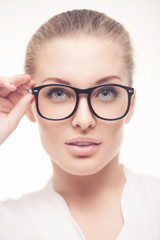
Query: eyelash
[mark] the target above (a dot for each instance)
(108, 90)
(55, 91)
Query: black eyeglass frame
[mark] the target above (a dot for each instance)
(88, 91)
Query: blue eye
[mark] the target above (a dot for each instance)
(57, 93)
(106, 93)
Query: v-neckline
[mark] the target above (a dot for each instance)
(123, 209)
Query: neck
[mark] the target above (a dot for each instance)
(110, 179)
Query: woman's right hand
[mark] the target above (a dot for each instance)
(14, 102)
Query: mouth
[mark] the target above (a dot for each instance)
(83, 146)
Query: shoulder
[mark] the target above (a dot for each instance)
(33, 206)
(39, 215)
(145, 190)
(33, 201)
(33, 216)
(16, 215)
(149, 184)
(141, 206)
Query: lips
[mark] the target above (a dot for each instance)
(83, 146)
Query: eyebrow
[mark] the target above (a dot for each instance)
(98, 82)
(108, 78)
(57, 80)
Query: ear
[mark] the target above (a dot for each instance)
(131, 109)
(30, 114)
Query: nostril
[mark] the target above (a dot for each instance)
(83, 117)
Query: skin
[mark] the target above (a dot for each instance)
(14, 102)
(92, 185)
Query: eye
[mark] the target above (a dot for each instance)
(106, 93)
(57, 93)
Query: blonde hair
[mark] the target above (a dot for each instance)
(80, 22)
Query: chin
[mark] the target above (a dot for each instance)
(83, 167)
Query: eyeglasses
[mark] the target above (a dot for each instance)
(58, 102)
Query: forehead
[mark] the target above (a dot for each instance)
(79, 59)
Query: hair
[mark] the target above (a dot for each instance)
(76, 23)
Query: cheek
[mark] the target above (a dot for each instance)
(51, 134)
(112, 137)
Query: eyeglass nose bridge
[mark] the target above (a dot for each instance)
(88, 92)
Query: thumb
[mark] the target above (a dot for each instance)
(19, 111)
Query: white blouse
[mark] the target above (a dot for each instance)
(44, 215)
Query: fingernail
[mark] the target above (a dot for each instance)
(26, 76)
(11, 83)
(32, 80)
(33, 99)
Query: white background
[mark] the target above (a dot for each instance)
(24, 166)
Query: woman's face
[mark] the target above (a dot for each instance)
(82, 144)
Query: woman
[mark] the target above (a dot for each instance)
(79, 66)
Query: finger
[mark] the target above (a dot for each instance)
(19, 110)
(6, 84)
(19, 80)
(11, 84)
(5, 105)
(25, 87)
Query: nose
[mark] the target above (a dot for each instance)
(83, 118)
